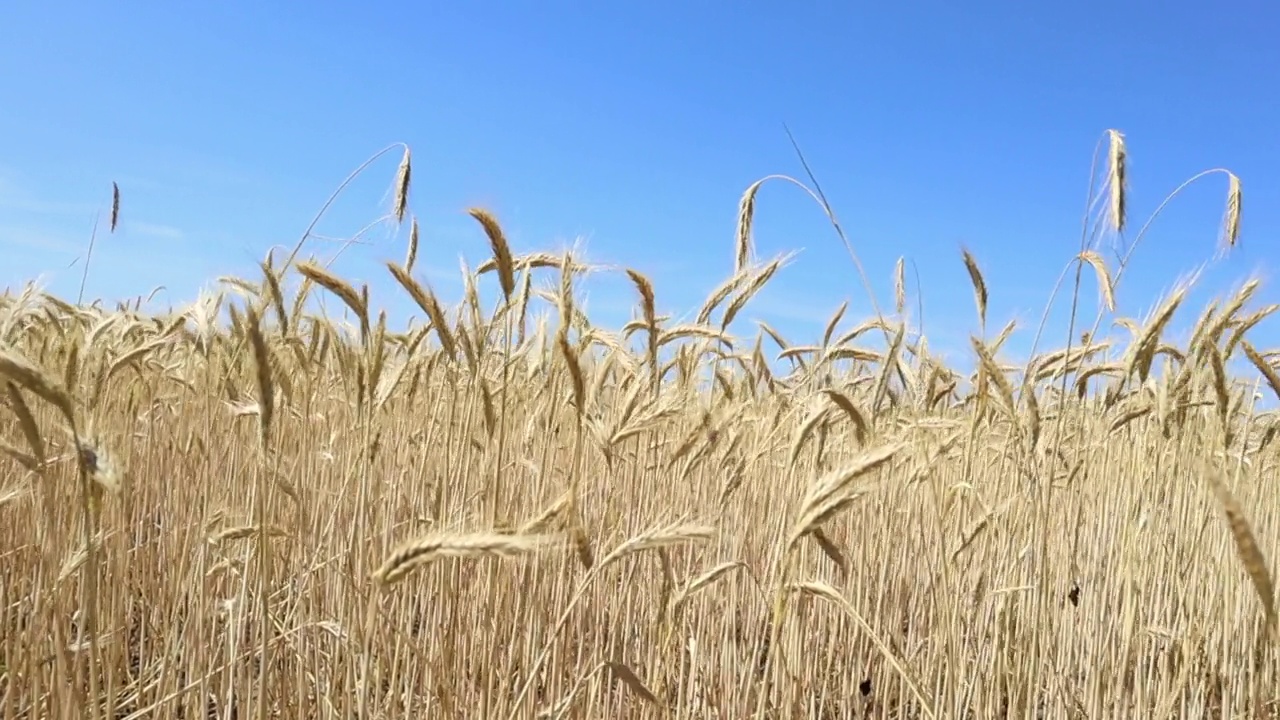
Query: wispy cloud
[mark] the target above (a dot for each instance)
(154, 230)
(41, 239)
(800, 312)
(16, 197)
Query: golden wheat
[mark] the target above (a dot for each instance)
(199, 510)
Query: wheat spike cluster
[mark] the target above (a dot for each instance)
(274, 504)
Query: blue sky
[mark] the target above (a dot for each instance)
(634, 128)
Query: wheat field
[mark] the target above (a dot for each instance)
(255, 507)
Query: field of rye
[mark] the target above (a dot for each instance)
(258, 508)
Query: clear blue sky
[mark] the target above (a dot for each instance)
(636, 127)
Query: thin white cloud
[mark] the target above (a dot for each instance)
(14, 196)
(154, 230)
(27, 204)
(440, 275)
(795, 311)
(40, 239)
(137, 182)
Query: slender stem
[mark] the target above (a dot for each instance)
(84, 276)
(89, 589)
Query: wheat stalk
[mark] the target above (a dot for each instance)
(1117, 179)
(501, 251)
(1251, 558)
(403, 174)
(415, 553)
(979, 285)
